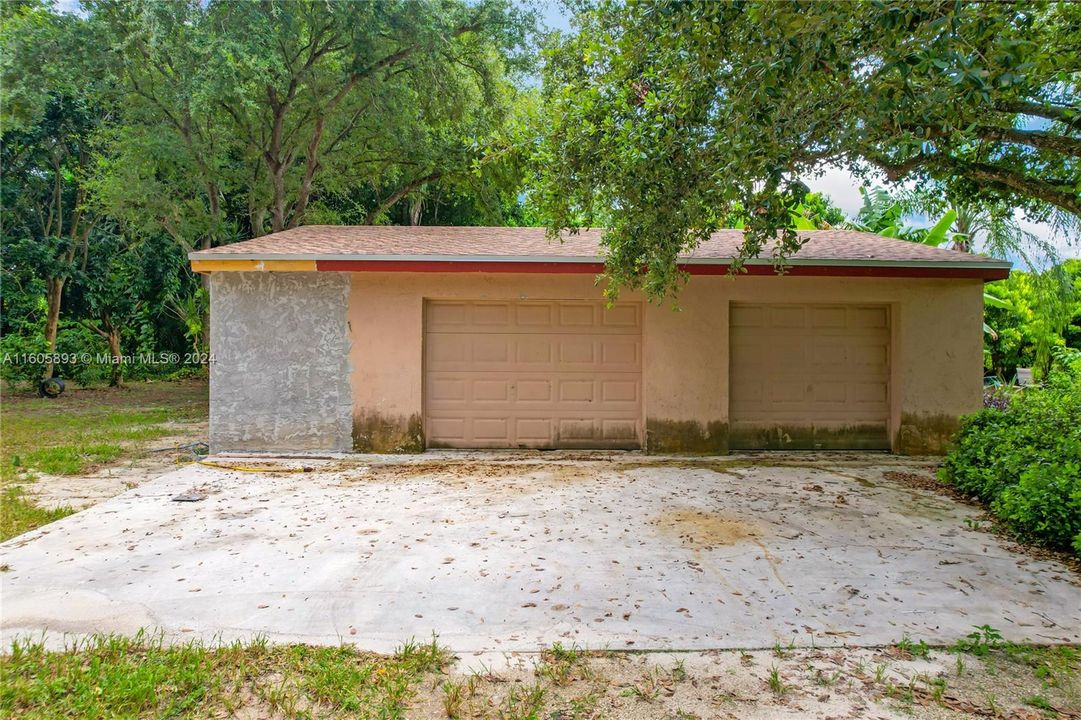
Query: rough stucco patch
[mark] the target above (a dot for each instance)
(686, 436)
(280, 377)
(923, 434)
(374, 433)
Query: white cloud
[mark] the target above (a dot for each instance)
(843, 189)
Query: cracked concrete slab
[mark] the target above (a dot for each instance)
(510, 552)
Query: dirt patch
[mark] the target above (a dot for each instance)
(259, 466)
(148, 460)
(469, 472)
(704, 530)
(757, 685)
(920, 481)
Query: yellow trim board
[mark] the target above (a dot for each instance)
(253, 265)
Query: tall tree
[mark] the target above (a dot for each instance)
(667, 114)
(260, 108)
(55, 104)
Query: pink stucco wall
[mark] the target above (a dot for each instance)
(936, 344)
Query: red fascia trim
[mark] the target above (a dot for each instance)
(592, 268)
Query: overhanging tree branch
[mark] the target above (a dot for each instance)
(397, 195)
(1068, 114)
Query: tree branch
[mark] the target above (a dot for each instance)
(397, 195)
(1033, 138)
(1070, 115)
(1033, 187)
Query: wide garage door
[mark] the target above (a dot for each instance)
(536, 374)
(809, 376)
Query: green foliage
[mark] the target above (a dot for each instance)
(1042, 312)
(982, 640)
(1025, 461)
(239, 118)
(667, 115)
(135, 132)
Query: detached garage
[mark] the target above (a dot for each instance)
(397, 339)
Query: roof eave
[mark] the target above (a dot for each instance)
(546, 259)
(990, 268)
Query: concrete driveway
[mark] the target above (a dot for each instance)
(509, 552)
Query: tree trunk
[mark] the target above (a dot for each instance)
(258, 220)
(113, 336)
(54, 288)
(415, 210)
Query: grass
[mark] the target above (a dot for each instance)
(775, 683)
(83, 429)
(19, 515)
(113, 676)
(142, 676)
(561, 665)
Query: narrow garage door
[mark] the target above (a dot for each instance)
(809, 376)
(537, 374)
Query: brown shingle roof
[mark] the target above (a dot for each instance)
(375, 242)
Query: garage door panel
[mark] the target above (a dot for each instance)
(828, 317)
(491, 314)
(864, 317)
(491, 391)
(582, 315)
(449, 389)
(871, 393)
(621, 354)
(448, 315)
(830, 354)
(575, 391)
(746, 316)
(580, 351)
(533, 315)
(623, 317)
(533, 373)
(490, 350)
(782, 393)
(620, 391)
(619, 430)
(534, 390)
(809, 376)
(449, 429)
(533, 430)
(787, 316)
(829, 392)
(492, 429)
(537, 352)
(577, 429)
(876, 355)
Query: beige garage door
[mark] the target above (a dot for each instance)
(537, 374)
(809, 376)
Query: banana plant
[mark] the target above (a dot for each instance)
(940, 231)
(996, 302)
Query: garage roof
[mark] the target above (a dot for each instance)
(499, 249)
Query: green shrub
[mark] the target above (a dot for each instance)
(1024, 461)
